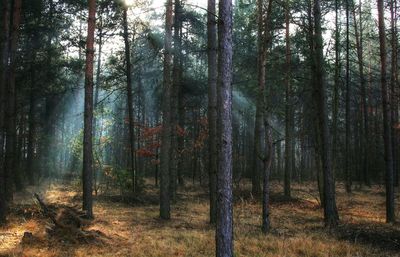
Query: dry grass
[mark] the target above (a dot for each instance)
(134, 229)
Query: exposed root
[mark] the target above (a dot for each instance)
(67, 224)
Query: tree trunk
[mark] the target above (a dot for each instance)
(30, 171)
(331, 216)
(98, 167)
(11, 127)
(212, 107)
(176, 86)
(365, 131)
(288, 109)
(394, 90)
(129, 101)
(387, 133)
(3, 83)
(266, 223)
(224, 230)
(348, 93)
(335, 108)
(87, 174)
(258, 124)
(165, 155)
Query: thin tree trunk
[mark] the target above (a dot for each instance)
(98, 167)
(266, 223)
(258, 124)
(165, 154)
(387, 135)
(335, 109)
(365, 131)
(31, 132)
(176, 85)
(212, 107)
(288, 109)
(87, 175)
(3, 80)
(394, 90)
(128, 74)
(224, 230)
(348, 93)
(10, 110)
(331, 216)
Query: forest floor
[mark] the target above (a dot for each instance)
(132, 228)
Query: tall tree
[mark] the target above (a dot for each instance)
(176, 87)
(5, 22)
(288, 108)
(31, 155)
(394, 90)
(358, 31)
(129, 100)
(335, 105)
(264, 36)
(165, 153)
(10, 108)
(87, 174)
(348, 93)
(258, 123)
(331, 216)
(224, 230)
(387, 133)
(212, 107)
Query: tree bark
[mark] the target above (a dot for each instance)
(394, 90)
(31, 132)
(129, 100)
(258, 124)
(3, 84)
(10, 109)
(224, 230)
(335, 108)
(165, 155)
(266, 223)
(87, 174)
(176, 86)
(387, 133)
(331, 216)
(365, 122)
(212, 107)
(288, 109)
(348, 93)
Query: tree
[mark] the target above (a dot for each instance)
(212, 107)
(264, 34)
(289, 109)
(358, 31)
(175, 98)
(4, 40)
(335, 107)
(32, 127)
(87, 174)
(10, 108)
(394, 91)
(331, 216)
(165, 152)
(387, 135)
(348, 93)
(129, 100)
(224, 230)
